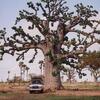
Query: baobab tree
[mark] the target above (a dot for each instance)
(55, 22)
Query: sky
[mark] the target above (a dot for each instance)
(9, 10)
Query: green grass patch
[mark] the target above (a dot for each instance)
(18, 96)
(72, 98)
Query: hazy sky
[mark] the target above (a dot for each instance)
(8, 12)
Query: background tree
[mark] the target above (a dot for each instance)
(27, 70)
(41, 66)
(17, 79)
(92, 60)
(55, 25)
(23, 68)
(71, 75)
(21, 72)
(8, 79)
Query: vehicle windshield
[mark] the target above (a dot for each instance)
(36, 82)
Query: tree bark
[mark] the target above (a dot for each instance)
(95, 78)
(51, 83)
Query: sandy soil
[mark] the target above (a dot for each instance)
(71, 92)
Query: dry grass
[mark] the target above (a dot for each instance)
(16, 92)
(82, 86)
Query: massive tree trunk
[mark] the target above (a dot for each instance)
(52, 83)
(95, 77)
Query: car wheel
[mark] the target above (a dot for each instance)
(41, 91)
(30, 92)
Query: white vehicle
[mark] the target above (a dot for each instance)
(36, 85)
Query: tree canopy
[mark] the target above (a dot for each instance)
(57, 46)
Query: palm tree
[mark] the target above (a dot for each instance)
(27, 69)
(8, 76)
(41, 66)
(20, 66)
(23, 71)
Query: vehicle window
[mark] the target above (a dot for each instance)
(36, 82)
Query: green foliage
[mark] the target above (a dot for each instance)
(54, 73)
(85, 13)
(42, 16)
(49, 54)
(92, 59)
(45, 0)
(57, 62)
(2, 33)
(73, 41)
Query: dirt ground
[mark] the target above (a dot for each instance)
(12, 91)
(77, 93)
(70, 92)
(24, 95)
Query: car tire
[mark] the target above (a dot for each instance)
(30, 92)
(41, 91)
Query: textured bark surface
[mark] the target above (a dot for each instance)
(51, 82)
